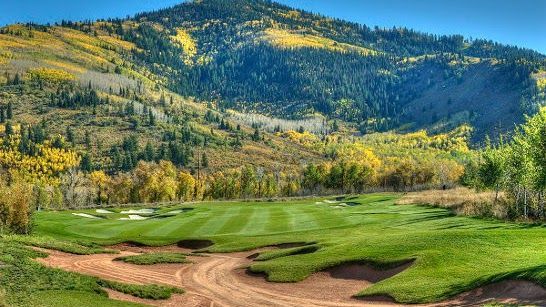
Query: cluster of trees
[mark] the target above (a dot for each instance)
(30, 169)
(30, 155)
(163, 182)
(517, 167)
(125, 156)
(71, 99)
(356, 168)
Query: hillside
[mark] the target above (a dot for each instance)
(86, 89)
(222, 82)
(264, 57)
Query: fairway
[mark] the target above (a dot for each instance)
(449, 254)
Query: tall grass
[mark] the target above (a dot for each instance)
(463, 201)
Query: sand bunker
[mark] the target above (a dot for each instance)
(139, 211)
(195, 244)
(89, 216)
(175, 212)
(102, 211)
(356, 271)
(222, 280)
(133, 217)
(518, 292)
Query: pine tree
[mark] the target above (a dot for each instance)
(87, 140)
(70, 136)
(9, 112)
(149, 153)
(256, 135)
(86, 164)
(205, 160)
(151, 117)
(335, 126)
(9, 129)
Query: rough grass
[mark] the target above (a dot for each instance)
(463, 201)
(72, 298)
(154, 258)
(85, 248)
(451, 253)
(153, 292)
(26, 282)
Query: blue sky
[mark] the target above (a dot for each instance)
(516, 22)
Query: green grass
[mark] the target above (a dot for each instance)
(451, 254)
(25, 282)
(153, 292)
(154, 258)
(57, 298)
(82, 248)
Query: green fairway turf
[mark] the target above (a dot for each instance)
(451, 254)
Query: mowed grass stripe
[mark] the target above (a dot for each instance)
(237, 221)
(189, 229)
(217, 221)
(174, 226)
(101, 229)
(257, 222)
(278, 221)
(331, 218)
(305, 217)
(292, 213)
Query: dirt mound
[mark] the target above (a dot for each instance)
(195, 244)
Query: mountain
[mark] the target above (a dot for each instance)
(225, 79)
(265, 57)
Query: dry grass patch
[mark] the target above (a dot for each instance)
(463, 201)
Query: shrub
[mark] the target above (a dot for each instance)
(15, 203)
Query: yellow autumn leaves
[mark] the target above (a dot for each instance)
(43, 167)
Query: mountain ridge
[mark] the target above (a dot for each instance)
(403, 44)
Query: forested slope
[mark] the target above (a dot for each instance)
(265, 57)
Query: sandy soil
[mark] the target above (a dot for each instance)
(222, 280)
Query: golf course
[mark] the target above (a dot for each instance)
(366, 248)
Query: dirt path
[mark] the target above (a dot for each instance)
(221, 280)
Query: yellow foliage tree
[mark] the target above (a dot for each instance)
(186, 186)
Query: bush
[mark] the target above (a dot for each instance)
(15, 207)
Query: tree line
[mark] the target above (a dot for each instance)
(516, 167)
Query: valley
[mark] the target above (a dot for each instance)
(248, 153)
